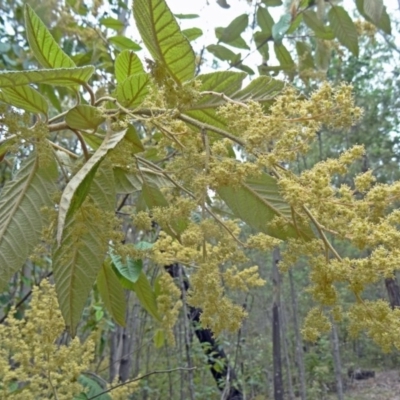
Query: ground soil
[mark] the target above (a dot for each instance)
(385, 386)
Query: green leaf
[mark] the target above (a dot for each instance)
(235, 28)
(281, 27)
(112, 293)
(323, 54)
(61, 77)
(374, 10)
(153, 197)
(192, 33)
(144, 246)
(76, 264)
(221, 52)
(127, 63)
(146, 296)
(112, 23)
(91, 140)
(110, 142)
(228, 82)
(265, 21)
(295, 24)
(204, 110)
(133, 90)
(127, 182)
(82, 190)
(103, 189)
(51, 94)
(26, 98)
(81, 253)
(344, 28)
(4, 146)
(306, 60)
(239, 42)
(313, 22)
(159, 339)
(129, 271)
(44, 47)
(21, 218)
(84, 116)
(384, 21)
(262, 89)
(186, 16)
(132, 277)
(283, 56)
(133, 138)
(244, 68)
(272, 3)
(92, 389)
(164, 40)
(261, 39)
(124, 43)
(257, 201)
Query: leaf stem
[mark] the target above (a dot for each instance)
(70, 153)
(82, 142)
(91, 93)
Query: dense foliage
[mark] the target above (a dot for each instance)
(116, 169)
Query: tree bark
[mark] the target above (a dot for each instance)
(186, 330)
(276, 334)
(337, 361)
(285, 348)
(299, 342)
(226, 378)
(393, 292)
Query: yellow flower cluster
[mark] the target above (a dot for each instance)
(32, 358)
(316, 323)
(365, 28)
(380, 322)
(169, 305)
(242, 280)
(218, 311)
(361, 214)
(208, 247)
(292, 122)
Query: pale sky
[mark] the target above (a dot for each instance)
(211, 15)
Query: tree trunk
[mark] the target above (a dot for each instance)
(121, 346)
(393, 292)
(299, 342)
(115, 352)
(337, 361)
(276, 334)
(285, 348)
(186, 330)
(125, 368)
(225, 378)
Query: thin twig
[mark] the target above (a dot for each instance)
(123, 202)
(58, 127)
(91, 93)
(225, 97)
(82, 142)
(59, 116)
(179, 186)
(22, 301)
(208, 127)
(58, 147)
(165, 371)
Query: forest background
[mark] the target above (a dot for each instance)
(211, 223)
